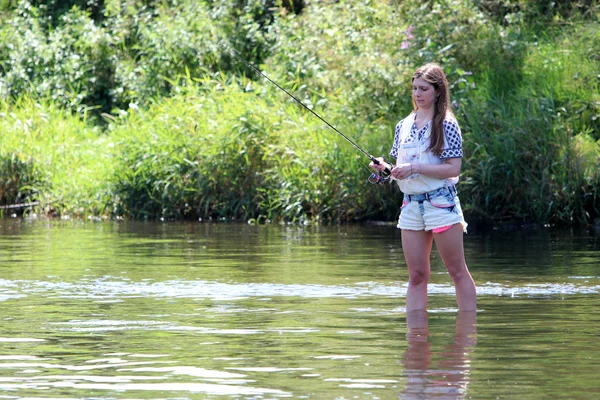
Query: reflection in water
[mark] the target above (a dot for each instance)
(450, 377)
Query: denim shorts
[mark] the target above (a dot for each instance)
(431, 211)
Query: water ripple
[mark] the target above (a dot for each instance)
(114, 289)
(220, 382)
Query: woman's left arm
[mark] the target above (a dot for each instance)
(449, 168)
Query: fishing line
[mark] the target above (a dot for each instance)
(381, 177)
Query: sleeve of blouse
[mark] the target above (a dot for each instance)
(452, 140)
(394, 150)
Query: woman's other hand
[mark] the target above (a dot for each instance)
(402, 171)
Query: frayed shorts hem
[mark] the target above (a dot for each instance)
(462, 223)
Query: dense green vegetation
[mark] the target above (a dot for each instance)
(133, 108)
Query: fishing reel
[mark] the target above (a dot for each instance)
(380, 177)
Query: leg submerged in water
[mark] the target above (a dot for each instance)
(450, 246)
(416, 246)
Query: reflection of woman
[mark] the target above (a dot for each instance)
(451, 377)
(428, 151)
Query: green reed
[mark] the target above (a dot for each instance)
(224, 152)
(57, 158)
(534, 151)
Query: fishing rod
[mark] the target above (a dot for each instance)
(380, 177)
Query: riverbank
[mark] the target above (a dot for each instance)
(216, 141)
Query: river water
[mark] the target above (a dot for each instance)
(126, 310)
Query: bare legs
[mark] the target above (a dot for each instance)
(417, 250)
(450, 247)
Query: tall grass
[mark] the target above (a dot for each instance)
(229, 152)
(219, 152)
(55, 157)
(534, 151)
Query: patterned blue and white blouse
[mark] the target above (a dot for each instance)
(452, 138)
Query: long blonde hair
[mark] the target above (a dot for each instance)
(434, 74)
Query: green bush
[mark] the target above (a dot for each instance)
(132, 52)
(538, 13)
(71, 64)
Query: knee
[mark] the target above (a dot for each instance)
(457, 272)
(418, 277)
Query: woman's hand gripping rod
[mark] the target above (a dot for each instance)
(384, 171)
(377, 177)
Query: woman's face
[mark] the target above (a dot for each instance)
(424, 94)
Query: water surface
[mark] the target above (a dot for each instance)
(197, 311)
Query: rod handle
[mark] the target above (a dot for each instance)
(387, 171)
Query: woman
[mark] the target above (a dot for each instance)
(428, 151)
